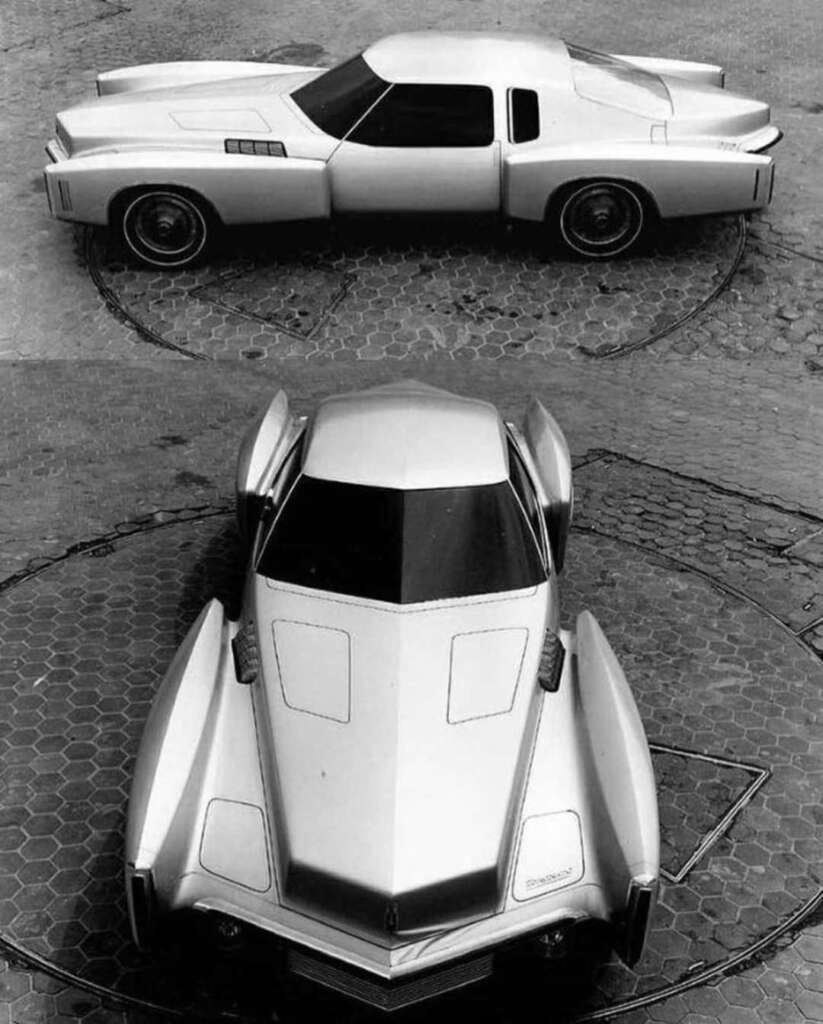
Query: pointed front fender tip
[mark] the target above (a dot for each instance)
(140, 901)
(639, 906)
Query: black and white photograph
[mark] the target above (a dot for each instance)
(411, 512)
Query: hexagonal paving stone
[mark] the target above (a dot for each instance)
(394, 289)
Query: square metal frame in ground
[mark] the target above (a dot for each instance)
(760, 777)
(348, 278)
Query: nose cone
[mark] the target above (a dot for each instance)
(707, 110)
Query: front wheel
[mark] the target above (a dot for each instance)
(165, 229)
(598, 219)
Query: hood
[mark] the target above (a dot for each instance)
(702, 109)
(196, 116)
(398, 743)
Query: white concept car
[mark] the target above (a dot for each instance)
(528, 127)
(396, 761)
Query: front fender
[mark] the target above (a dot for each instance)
(242, 189)
(172, 735)
(621, 764)
(681, 181)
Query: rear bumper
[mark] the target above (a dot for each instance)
(763, 186)
(55, 152)
(58, 191)
(761, 140)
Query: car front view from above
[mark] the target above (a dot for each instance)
(595, 146)
(396, 762)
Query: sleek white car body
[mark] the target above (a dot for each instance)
(620, 138)
(389, 785)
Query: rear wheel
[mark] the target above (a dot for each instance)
(165, 228)
(598, 219)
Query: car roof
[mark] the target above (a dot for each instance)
(472, 58)
(409, 436)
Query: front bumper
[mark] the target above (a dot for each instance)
(400, 962)
(386, 995)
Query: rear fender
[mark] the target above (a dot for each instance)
(621, 765)
(187, 72)
(262, 451)
(691, 71)
(241, 189)
(550, 455)
(679, 181)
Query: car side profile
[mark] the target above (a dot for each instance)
(396, 761)
(594, 145)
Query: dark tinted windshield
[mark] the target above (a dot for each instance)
(337, 100)
(402, 546)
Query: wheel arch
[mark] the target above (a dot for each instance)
(641, 190)
(119, 200)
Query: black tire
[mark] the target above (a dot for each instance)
(599, 219)
(165, 228)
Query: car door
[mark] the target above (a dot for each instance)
(421, 147)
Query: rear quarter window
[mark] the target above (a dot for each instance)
(524, 115)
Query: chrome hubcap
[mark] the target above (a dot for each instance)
(602, 219)
(166, 225)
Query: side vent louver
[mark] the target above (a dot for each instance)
(255, 147)
(246, 654)
(551, 664)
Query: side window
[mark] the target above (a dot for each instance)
(524, 115)
(429, 115)
(524, 490)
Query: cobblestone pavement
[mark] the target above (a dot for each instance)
(412, 291)
(698, 539)
(772, 556)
